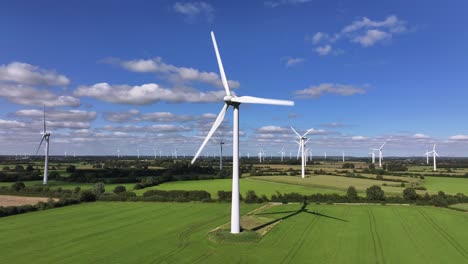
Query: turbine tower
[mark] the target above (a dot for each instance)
(302, 141)
(380, 154)
(45, 136)
(434, 154)
(373, 154)
(221, 143)
(343, 157)
(234, 101)
(427, 156)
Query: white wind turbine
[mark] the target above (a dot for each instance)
(343, 157)
(282, 153)
(380, 154)
(45, 136)
(138, 153)
(373, 154)
(302, 141)
(427, 156)
(434, 154)
(234, 101)
(221, 143)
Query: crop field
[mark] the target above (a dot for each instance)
(116, 232)
(446, 184)
(333, 182)
(246, 184)
(461, 206)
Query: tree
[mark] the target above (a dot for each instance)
(6, 168)
(71, 169)
(351, 194)
(120, 189)
(375, 193)
(410, 194)
(98, 188)
(372, 167)
(18, 186)
(87, 196)
(29, 168)
(348, 166)
(19, 168)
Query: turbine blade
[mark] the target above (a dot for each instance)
(308, 131)
(44, 121)
(215, 126)
(383, 145)
(220, 64)
(295, 132)
(307, 141)
(258, 100)
(38, 148)
(298, 151)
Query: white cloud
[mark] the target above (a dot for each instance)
(177, 75)
(7, 124)
(371, 37)
(277, 3)
(58, 115)
(26, 95)
(24, 73)
(333, 124)
(421, 136)
(192, 10)
(358, 138)
(274, 130)
(323, 50)
(364, 31)
(146, 94)
(324, 88)
(293, 61)
(459, 137)
(148, 129)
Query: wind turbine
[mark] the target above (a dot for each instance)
(434, 154)
(373, 154)
(427, 156)
(221, 143)
(282, 153)
(138, 153)
(234, 101)
(380, 154)
(302, 141)
(118, 153)
(45, 136)
(343, 157)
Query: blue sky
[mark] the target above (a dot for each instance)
(128, 74)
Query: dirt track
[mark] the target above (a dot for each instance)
(9, 200)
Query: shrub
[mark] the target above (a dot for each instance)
(375, 193)
(98, 188)
(251, 197)
(87, 196)
(410, 194)
(18, 186)
(119, 189)
(348, 166)
(351, 194)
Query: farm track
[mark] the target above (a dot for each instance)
(378, 249)
(299, 242)
(445, 234)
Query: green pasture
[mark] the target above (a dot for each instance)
(246, 184)
(127, 232)
(449, 185)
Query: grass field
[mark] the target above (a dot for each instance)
(176, 233)
(448, 185)
(333, 182)
(461, 206)
(246, 184)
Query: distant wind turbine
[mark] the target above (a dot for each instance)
(434, 154)
(46, 137)
(302, 141)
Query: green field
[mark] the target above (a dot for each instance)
(461, 206)
(177, 233)
(246, 184)
(448, 185)
(333, 182)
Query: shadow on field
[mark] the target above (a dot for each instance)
(303, 209)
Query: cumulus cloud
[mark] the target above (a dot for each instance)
(11, 124)
(323, 50)
(148, 129)
(363, 31)
(24, 73)
(293, 61)
(333, 125)
(177, 75)
(58, 115)
(358, 138)
(27, 95)
(193, 10)
(324, 88)
(273, 4)
(146, 94)
(459, 137)
(274, 130)
(421, 136)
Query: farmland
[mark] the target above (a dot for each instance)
(177, 233)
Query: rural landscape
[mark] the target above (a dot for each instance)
(110, 153)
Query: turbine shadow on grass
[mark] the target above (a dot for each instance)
(303, 209)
